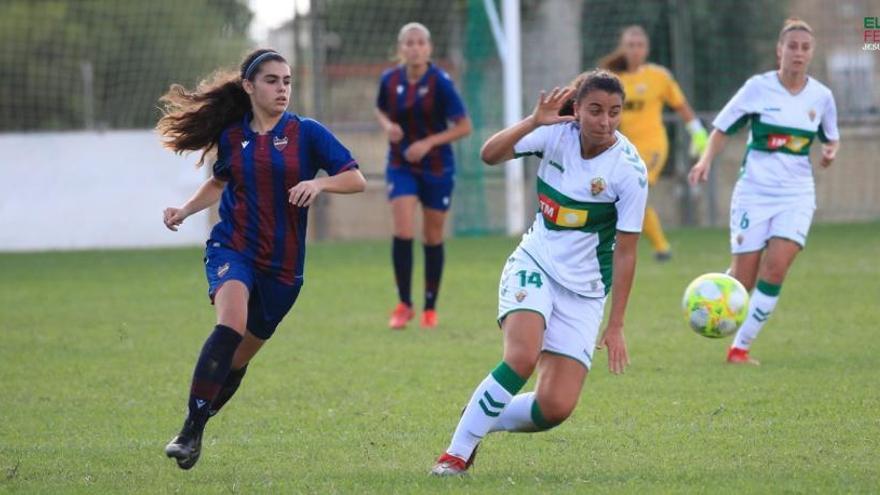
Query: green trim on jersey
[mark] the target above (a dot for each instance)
(539, 154)
(598, 218)
(822, 136)
(736, 126)
(780, 139)
(605, 255)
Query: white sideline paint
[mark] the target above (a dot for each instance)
(94, 190)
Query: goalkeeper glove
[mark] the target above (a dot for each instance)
(699, 137)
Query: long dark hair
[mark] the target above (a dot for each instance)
(585, 82)
(616, 60)
(193, 120)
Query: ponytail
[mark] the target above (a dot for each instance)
(614, 61)
(194, 120)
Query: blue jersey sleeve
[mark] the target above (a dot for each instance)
(453, 107)
(326, 151)
(221, 168)
(381, 99)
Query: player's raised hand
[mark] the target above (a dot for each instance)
(304, 193)
(546, 111)
(173, 217)
(618, 357)
(829, 153)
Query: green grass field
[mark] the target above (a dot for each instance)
(96, 351)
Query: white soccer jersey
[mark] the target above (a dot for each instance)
(783, 126)
(582, 203)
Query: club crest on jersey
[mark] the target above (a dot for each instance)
(812, 115)
(423, 90)
(279, 142)
(597, 186)
(400, 89)
(520, 295)
(223, 270)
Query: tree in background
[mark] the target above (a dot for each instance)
(70, 64)
(730, 40)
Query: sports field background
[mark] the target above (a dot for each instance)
(96, 351)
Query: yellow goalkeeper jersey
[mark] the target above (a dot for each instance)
(647, 90)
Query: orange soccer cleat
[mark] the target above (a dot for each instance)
(735, 355)
(449, 465)
(429, 319)
(400, 316)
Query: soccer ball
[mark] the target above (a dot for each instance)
(715, 305)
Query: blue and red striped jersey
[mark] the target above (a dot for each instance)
(421, 109)
(256, 217)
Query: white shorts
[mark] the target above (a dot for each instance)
(755, 219)
(571, 321)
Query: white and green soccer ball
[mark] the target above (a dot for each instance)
(715, 305)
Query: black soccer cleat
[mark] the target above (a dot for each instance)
(186, 447)
(663, 256)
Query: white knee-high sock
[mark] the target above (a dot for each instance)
(761, 306)
(486, 405)
(517, 416)
(522, 415)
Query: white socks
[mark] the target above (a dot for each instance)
(485, 407)
(517, 416)
(761, 306)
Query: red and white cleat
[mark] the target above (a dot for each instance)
(429, 319)
(449, 465)
(735, 355)
(400, 316)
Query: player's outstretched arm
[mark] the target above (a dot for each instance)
(207, 194)
(700, 171)
(624, 270)
(499, 147)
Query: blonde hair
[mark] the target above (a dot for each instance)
(794, 24)
(413, 26)
(616, 60)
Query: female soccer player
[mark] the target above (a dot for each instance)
(416, 100)
(774, 199)
(266, 162)
(648, 87)
(592, 189)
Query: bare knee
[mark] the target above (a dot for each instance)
(555, 408)
(433, 224)
(231, 303)
(523, 334)
(774, 273)
(405, 232)
(235, 322)
(522, 361)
